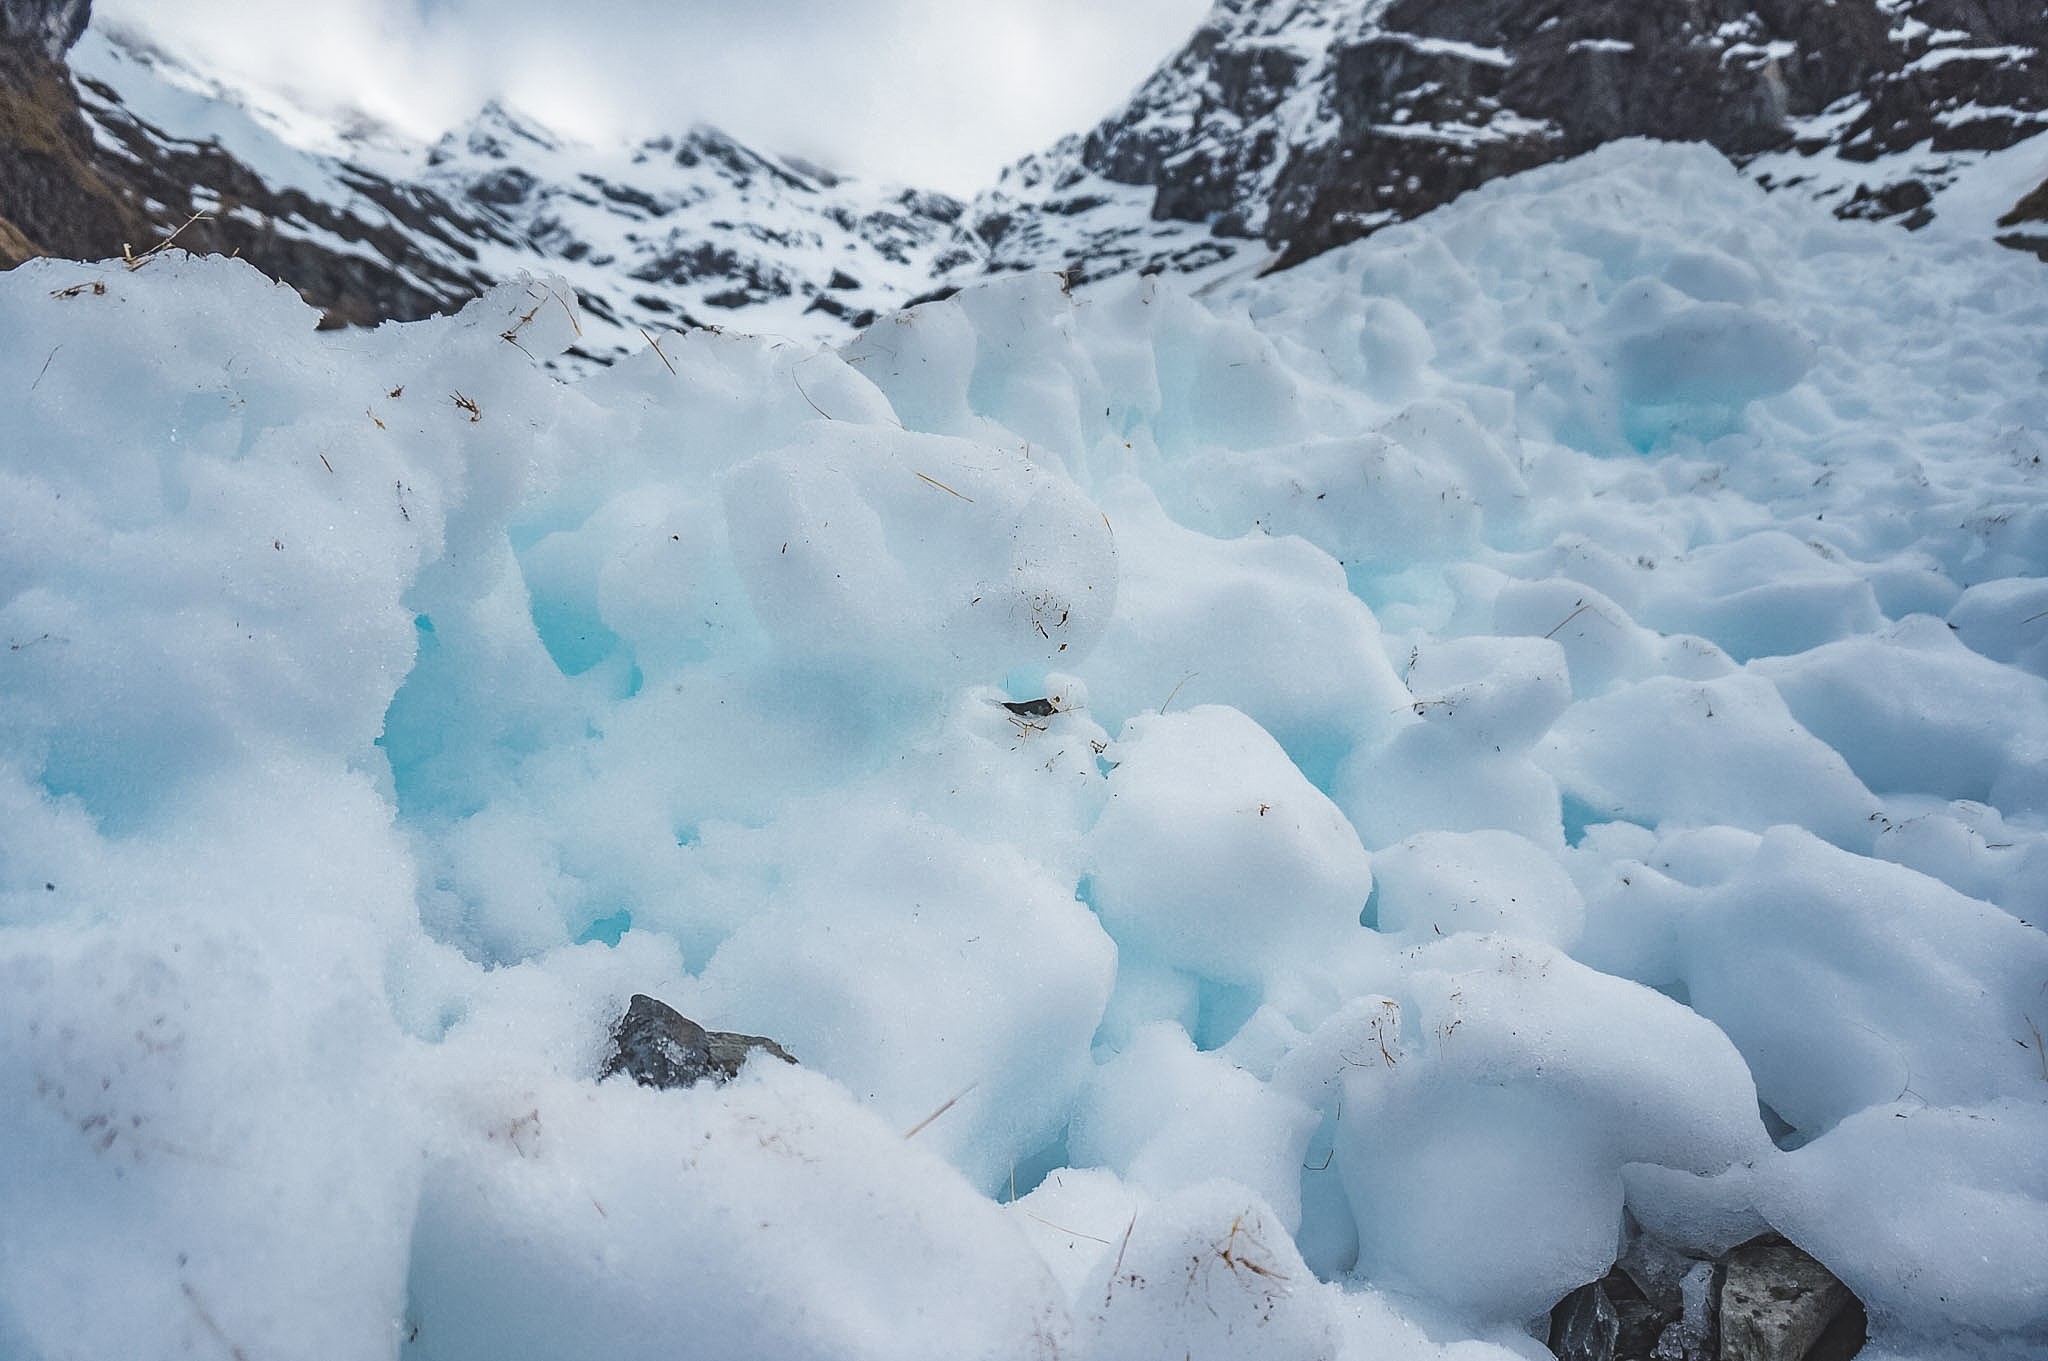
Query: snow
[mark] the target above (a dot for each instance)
(1545, 718)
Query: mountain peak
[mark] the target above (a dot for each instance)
(1299, 126)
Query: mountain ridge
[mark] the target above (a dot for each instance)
(1279, 130)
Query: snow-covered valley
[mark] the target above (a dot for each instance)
(1544, 743)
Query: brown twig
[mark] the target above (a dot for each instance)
(936, 483)
(134, 261)
(918, 1128)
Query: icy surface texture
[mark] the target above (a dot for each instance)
(1271, 821)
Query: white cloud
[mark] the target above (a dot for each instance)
(930, 92)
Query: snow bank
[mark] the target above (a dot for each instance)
(1272, 822)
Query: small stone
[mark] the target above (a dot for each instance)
(1776, 1301)
(658, 1046)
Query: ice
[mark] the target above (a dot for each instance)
(548, 1223)
(1271, 820)
(1947, 1200)
(1442, 883)
(1874, 974)
(881, 547)
(1736, 757)
(1164, 1115)
(1986, 739)
(1208, 828)
(1485, 1119)
(2003, 619)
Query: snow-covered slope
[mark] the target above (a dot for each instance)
(1289, 127)
(689, 230)
(695, 228)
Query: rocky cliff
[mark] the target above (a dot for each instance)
(125, 148)
(83, 175)
(44, 27)
(1291, 126)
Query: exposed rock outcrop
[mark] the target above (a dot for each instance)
(83, 177)
(48, 27)
(658, 1046)
(1764, 1300)
(1298, 127)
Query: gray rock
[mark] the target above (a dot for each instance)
(45, 26)
(1314, 123)
(1585, 1327)
(658, 1046)
(1657, 1268)
(1776, 1302)
(1763, 1300)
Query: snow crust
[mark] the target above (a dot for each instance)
(1544, 721)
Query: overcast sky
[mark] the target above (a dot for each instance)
(938, 93)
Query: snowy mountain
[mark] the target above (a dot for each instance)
(1292, 126)
(694, 228)
(684, 230)
(1280, 130)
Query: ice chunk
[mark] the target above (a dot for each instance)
(1441, 883)
(1670, 349)
(1499, 691)
(1879, 985)
(1268, 626)
(1502, 1112)
(1760, 595)
(1915, 711)
(1000, 979)
(1208, 1273)
(920, 556)
(1933, 1215)
(1698, 752)
(1430, 777)
(2007, 621)
(573, 1221)
(1215, 855)
(1163, 1116)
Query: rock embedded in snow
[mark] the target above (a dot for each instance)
(1764, 1300)
(1586, 1326)
(1776, 1302)
(658, 1046)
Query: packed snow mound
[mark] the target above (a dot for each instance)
(1277, 825)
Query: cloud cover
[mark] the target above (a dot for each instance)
(928, 92)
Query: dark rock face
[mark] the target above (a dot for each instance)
(403, 246)
(658, 1046)
(66, 191)
(47, 27)
(2030, 216)
(680, 228)
(1586, 1326)
(1764, 1300)
(1308, 125)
